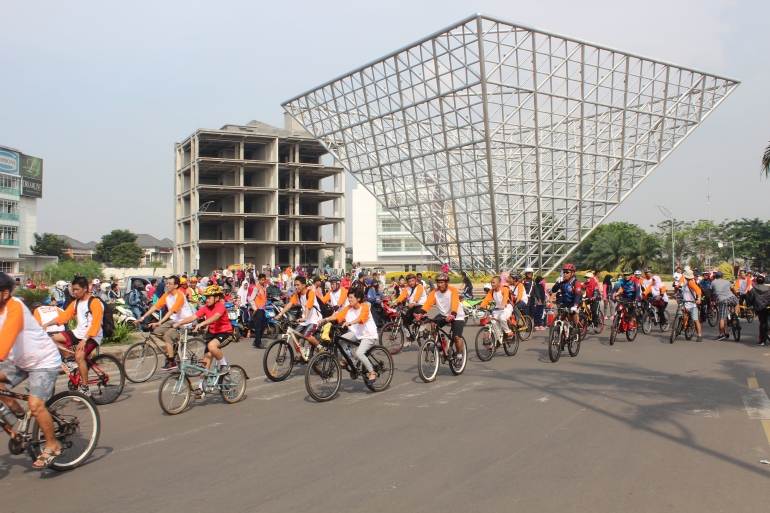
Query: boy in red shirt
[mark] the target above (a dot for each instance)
(219, 333)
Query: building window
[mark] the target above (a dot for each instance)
(390, 245)
(412, 245)
(7, 267)
(390, 225)
(10, 184)
(9, 233)
(9, 209)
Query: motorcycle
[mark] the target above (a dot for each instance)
(233, 313)
(122, 313)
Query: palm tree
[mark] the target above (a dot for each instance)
(642, 252)
(766, 162)
(609, 250)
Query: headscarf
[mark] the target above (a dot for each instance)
(243, 293)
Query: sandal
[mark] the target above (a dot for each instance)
(47, 460)
(370, 381)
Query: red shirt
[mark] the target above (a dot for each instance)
(221, 325)
(345, 283)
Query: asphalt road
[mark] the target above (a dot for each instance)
(638, 426)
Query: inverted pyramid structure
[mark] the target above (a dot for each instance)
(501, 146)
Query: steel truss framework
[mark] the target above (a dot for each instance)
(501, 146)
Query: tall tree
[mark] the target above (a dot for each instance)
(766, 162)
(119, 247)
(49, 244)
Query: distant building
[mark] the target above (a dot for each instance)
(156, 249)
(256, 194)
(380, 240)
(78, 250)
(21, 184)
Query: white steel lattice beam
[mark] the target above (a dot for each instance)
(501, 146)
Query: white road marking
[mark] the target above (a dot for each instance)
(396, 401)
(163, 439)
(756, 402)
(450, 396)
(361, 397)
(276, 395)
(542, 399)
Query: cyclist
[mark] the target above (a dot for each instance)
(677, 279)
(726, 300)
(357, 317)
(592, 295)
(518, 295)
(759, 298)
(257, 302)
(177, 309)
(571, 291)
(58, 293)
(26, 351)
(87, 335)
(136, 300)
(503, 308)
(44, 313)
(337, 297)
(467, 286)
(691, 295)
(414, 296)
(742, 286)
(653, 286)
(311, 315)
(705, 287)
(638, 276)
(629, 292)
(447, 299)
(218, 335)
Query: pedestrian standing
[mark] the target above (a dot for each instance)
(258, 301)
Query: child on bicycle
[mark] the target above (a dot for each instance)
(26, 351)
(218, 335)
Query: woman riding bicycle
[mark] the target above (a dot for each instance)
(219, 333)
(357, 317)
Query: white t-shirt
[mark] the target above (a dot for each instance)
(33, 349)
(444, 304)
(84, 319)
(363, 330)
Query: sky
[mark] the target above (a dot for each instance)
(102, 90)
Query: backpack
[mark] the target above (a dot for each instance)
(324, 309)
(108, 321)
(759, 299)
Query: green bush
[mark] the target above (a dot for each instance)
(727, 270)
(31, 296)
(67, 269)
(122, 331)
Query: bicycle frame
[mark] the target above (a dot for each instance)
(211, 375)
(76, 379)
(295, 337)
(24, 421)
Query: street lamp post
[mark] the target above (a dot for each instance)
(202, 209)
(666, 212)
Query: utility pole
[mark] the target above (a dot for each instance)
(708, 201)
(667, 213)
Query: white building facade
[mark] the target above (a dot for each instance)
(380, 240)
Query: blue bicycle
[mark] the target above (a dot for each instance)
(176, 389)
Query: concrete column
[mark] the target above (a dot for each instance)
(241, 250)
(296, 153)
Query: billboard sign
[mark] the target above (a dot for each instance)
(31, 171)
(9, 161)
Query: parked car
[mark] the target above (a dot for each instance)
(126, 287)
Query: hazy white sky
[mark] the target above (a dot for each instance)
(102, 90)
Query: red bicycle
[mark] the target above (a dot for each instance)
(107, 376)
(623, 323)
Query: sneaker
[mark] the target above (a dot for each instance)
(721, 337)
(71, 364)
(83, 389)
(170, 365)
(223, 370)
(305, 353)
(760, 343)
(199, 393)
(700, 338)
(458, 361)
(407, 343)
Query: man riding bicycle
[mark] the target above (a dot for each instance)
(414, 296)
(726, 300)
(571, 292)
(653, 286)
(311, 315)
(627, 291)
(26, 351)
(218, 335)
(519, 296)
(337, 297)
(592, 295)
(691, 295)
(503, 308)
(87, 335)
(447, 299)
(176, 302)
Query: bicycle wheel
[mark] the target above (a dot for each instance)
(712, 317)
(663, 323)
(633, 328)
(485, 344)
(525, 331)
(428, 361)
(749, 313)
(615, 329)
(689, 331)
(271, 331)
(647, 323)
(598, 325)
(232, 386)
(676, 328)
(554, 344)
(278, 360)
(735, 327)
(77, 426)
(140, 362)
(382, 363)
(392, 337)
(458, 369)
(196, 349)
(323, 377)
(107, 379)
(573, 346)
(174, 393)
(511, 345)
(583, 319)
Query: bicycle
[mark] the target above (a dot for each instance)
(564, 333)
(324, 372)
(708, 310)
(651, 317)
(175, 389)
(76, 425)
(586, 316)
(522, 326)
(393, 333)
(140, 361)
(281, 355)
(734, 324)
(681, 322)
(473, 314)
(623, 323)
(439, 348)
(747, 312)
(491, 336)
(109, 380)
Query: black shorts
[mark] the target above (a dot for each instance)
(224, 338)
(73, 341)
(457, 326)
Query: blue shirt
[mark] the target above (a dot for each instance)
(629, 288)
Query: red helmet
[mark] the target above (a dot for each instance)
(568, 267)
(442, 277)
(411, 277)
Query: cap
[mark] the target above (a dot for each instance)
(589, 274)
(688, 274)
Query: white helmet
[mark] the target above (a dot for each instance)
(529, 270)
(96, 281)
(104, 287)
(61, 284)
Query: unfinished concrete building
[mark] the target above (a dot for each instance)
(256, 194)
